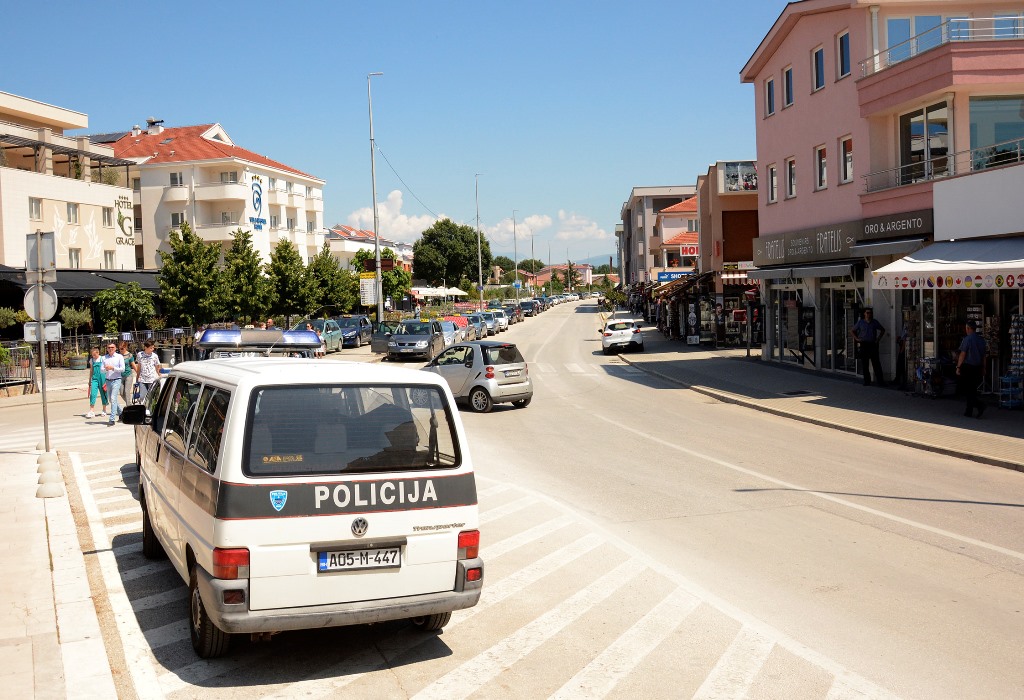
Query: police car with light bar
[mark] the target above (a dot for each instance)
(256, 342)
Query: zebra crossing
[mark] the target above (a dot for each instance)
(567, 611)
(74, 434)
(591, 370)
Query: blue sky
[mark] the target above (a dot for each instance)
(562, 107)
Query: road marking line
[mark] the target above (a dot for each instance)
(461, 682)
(121, 495)
(574, 368)
(543, 367)
(171, 633)
(115, 477)
(737, 668)
(507, 509)
(132, 573)
(118, 513)
(96, 462)
(126, 528)
(111, 489)
(600, 676)
(502, 547)
(157, 599)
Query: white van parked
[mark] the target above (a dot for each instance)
(295, 494)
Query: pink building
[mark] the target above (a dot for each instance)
(865, 112)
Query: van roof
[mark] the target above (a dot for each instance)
(246, 372)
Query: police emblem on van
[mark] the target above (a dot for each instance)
(278, 499)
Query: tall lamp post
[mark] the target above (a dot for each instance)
(515, 253)
(479, 247)
(376, 221)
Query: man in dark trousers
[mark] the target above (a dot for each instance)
(867, 331)
(970, 365)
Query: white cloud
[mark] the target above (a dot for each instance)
(500, 235)
(393, 223)
(573, 227)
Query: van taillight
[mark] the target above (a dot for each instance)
(469, 544)
(489, 372)
(230, 563)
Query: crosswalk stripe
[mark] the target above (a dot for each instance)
(144, 569)
(492, 490)
(543, 367)
(123, 488)
(119, 513)
(461, 682)
(157, 599)
(737, 668)
(600, 676)
(523, 538)
(507, 509)
(574, 368)
(122, 495)
(126, 478)
(170, 633)
(134, 526)
(96, 462)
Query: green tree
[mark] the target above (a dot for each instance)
(602, 269)
(572, 276)
(506, 263)
(531, 265)
(74, 318)
(190, 278)
(448, 251)
(7, 317)
(246, 288)
(289, 287)
(395, 282)
(123, 304)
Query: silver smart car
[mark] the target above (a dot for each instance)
(482, 373)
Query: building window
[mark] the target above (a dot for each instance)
(310, 226)
(108, 260)
(924, 158)
(275, 221)
(769, 97)
(787, 86)
(108, 217)
(177, 180)
(997, 130)
(177, 219)
(72, 213)
(790, 177)
(817, 69)
(820, 168)
(230, 176)
(229, 217)
(137, 184)
(271, 183)
(288, 187)
(74, 258)
(291, 224)
(35, 209)
(843, 54)
(1008, 27)
(925, 30)
(773, 184)
(846, 159)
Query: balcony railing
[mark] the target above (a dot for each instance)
(982, 158)
(952, 30)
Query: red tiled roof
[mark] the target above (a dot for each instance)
(349, 232)
(687, 206)
(684, 238)
(187, 144)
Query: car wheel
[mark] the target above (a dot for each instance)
(480, 400)
(523, 403)
(606, 351)
(359, 342)
(432, 623)
(151, 547)
(208, 640)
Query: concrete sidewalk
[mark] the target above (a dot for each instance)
(50, 640)
(888, 414)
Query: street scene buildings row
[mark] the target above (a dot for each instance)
(890, 146)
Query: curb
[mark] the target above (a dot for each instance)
(52, 396)
(747, 403)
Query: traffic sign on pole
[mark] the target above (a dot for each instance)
(41, 304)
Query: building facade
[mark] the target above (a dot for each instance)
(638, 242)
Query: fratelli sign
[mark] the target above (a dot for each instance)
(834, 242)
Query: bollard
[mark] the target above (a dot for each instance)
(50, 491)
(46, 457)
(48, 467)
(51, 478)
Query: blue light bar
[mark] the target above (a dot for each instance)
(258, 339)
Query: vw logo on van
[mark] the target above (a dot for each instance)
(360, 526)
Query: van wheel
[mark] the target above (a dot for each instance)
(151, 547)
(208, 640)
(522, 404)
(480, 400)
(432, 623)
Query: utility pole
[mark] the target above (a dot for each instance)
(376, 221)
(515, 253)
(479, 246)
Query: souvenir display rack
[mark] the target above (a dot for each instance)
(1011, 385)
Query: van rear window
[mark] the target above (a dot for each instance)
(299, 430)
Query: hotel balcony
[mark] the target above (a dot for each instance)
(314, 204)
(654, 243)
(217, 232)
(276, 196)
(221, 191)
(176, 193)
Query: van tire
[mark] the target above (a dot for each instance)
(151, 547)
(208, 640)
(432, 623)
(480, 401)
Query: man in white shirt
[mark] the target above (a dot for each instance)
(113, 368)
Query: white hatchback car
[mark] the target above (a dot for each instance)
(621, 334)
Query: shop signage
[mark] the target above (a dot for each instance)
(125, 222)
(911, 223)
(669, 276)
(257, 221)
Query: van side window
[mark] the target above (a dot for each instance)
(179, 413)
(204, 445)
(160, 412)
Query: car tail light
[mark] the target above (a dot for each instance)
(230, 563)
(469, 544)
(607, 334)
(636, 330)
(474, 574)
(489, 372)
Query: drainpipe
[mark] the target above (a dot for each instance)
(874, 36)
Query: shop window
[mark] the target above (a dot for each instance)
(846, 159)
(790, 177)
(787, 86)
(843, 55)
(35, 209)
(820, 168)
(769, 97)
(773, 184)
(817, 69)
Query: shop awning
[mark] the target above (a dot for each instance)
(773, 273)
(869, 248)
(993, 263)
(85, 283)
(682, 284)
(781, 273)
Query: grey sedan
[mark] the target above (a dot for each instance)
(416, 339)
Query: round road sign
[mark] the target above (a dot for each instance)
(41, 311)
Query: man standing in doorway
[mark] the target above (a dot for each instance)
(113, 368)
(970, 365)
(867, 332)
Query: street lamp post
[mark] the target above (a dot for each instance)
(515, 254)
(479, 247)
(376, 221)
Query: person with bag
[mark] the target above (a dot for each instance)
(867, 332)
(147, 364)
(128, 376)
(97, 384)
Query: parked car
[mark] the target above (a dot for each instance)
(355, 330)
(328, 329)
(529, 307)
(490, 321)
(484, 372)
(452, 333)
(514, 313)
(620, 334)
(479, 326)
(381, 335)
(416, 339)
(502, 318)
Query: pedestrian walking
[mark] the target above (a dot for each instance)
(867, 332)
(128, 376)
(113, 367)
(97, 384)
(147, 365)
(970, 368)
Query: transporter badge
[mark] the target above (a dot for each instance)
(278, 499)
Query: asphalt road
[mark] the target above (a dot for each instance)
(640, 540)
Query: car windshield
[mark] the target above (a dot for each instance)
(502, 355)
(358, 428)
(413, 328)
(348, 322)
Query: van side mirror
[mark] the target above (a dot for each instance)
(135, 415)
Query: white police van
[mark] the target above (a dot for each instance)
(295, 493)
